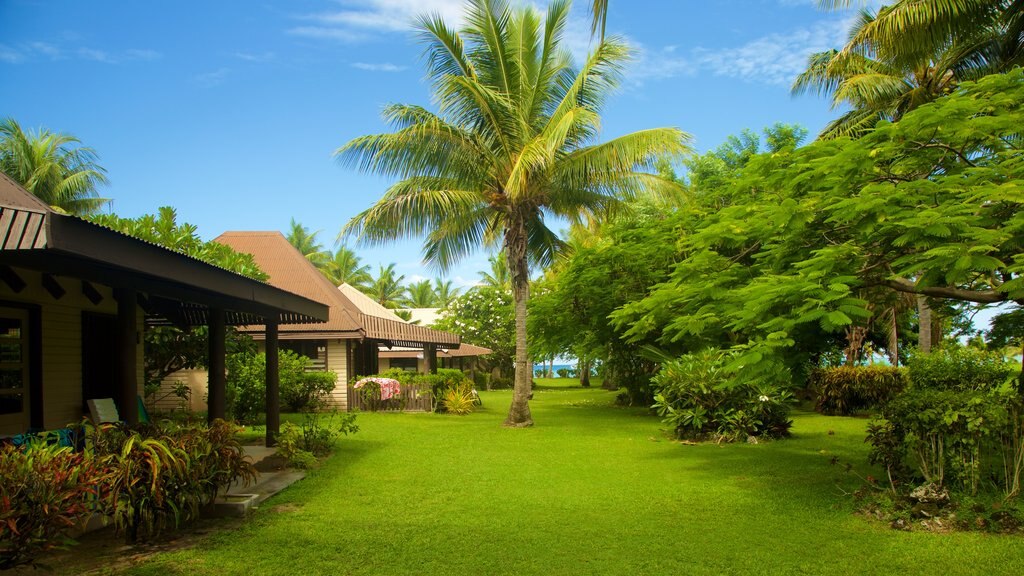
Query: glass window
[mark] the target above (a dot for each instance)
(13, 368)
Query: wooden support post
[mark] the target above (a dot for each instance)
(127, 350)
(273, 385)
(217, 393)
(430, 353)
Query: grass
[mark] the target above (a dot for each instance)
(591, 489)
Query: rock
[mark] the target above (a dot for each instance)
(925, 510)
(930, 494)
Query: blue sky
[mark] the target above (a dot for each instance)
(230, 110)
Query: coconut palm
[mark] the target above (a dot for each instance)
(305, 242)
(599, 13)
(514, 143)
(444, 292)
(420, 295)
(386, 288)
(911, 31)
(53, 167)
(345, 267)
(909, 54)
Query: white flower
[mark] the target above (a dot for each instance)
(763, 398)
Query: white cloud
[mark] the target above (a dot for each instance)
(359, 20)
(212, 78)
(383, 67)
(10, 55)
(36, 50)
(256, 58)
(773, 59)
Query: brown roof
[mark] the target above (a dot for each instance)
(290, 270)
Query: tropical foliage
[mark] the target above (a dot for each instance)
(514, 140)
(53, 167)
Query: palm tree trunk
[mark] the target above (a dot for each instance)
(515, 244)
(585, 372)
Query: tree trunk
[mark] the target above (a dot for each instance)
(893, 346)
(924, 320)
(515, 245)
(584, 372)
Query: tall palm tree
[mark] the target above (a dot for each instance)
(305, 242)
(52, 167)
(345, 267)
(387, 288)
(444, 291)
(420, 295)
(514, 142)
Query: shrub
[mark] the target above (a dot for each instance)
(960, 368)
(692, 396)
(157, 477)
(843, 390)
(316, 436)
(955, 438)
(247, 384)
(45, 491)
(562, 372)
(458, 399)
(499, 383)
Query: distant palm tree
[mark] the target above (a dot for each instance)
(305, 242)
(498, 276)
(444, 292)
(420, 295)
(386, 288)
(345, 267)
(513, 146)
(52, 167)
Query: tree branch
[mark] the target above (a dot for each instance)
(953, 293)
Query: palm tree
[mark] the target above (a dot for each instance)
(514, 142)
(909, 54)
(305, 242)
(420, 295)
(444, 292)
(991, 32)
(599, 14)
(498, 277)
(386, 288)
(52, 167)
(345, 267)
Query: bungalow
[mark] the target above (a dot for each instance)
(358, 332)
(76, 297)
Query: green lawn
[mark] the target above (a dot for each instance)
(592, 489)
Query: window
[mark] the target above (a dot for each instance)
(407, 364)
(315, 350)
(14, 364)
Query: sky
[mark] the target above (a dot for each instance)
(230, 110)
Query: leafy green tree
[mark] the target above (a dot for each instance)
(168, 349)
(484, 316)
(345, 267)
(387, 288)
(512, 147)
(53, 167)
(815, 238)
(305, 242)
